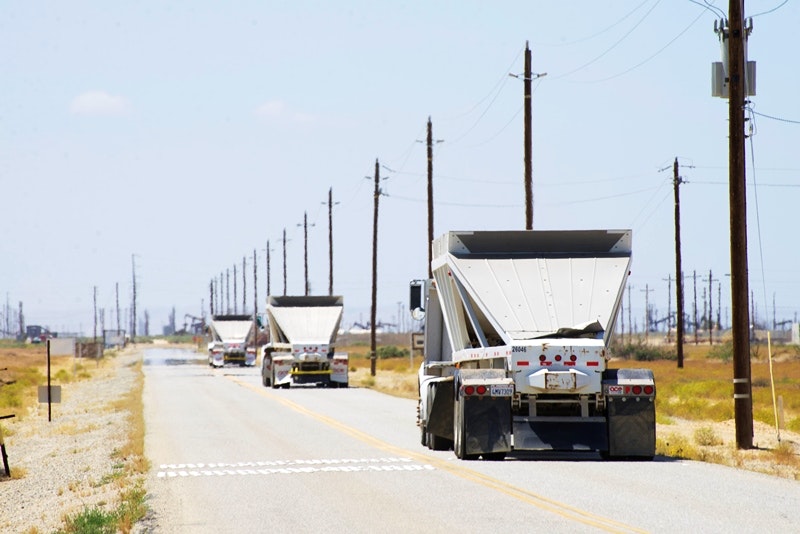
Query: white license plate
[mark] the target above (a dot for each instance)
(501, 391)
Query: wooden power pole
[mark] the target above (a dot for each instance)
(676, 182)
(528, 142)
(743, 405)
(373, 310)
(430, 196)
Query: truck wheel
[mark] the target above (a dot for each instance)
(264, 380)
(494, 456)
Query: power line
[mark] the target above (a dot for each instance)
(647, 59)
(770, 10)
(612, 47)
(601, 32)
(754, 112)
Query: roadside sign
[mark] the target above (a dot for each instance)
(55, 394)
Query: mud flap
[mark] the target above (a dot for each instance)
(440, 406)
(487, 424)
(631, 427)
(631, 418)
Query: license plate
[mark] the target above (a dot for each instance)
(501, 391)
(560, 381)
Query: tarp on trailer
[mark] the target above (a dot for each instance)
(530, 284)
(232, 329)
(313, 320)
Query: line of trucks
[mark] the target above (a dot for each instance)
(517, 330)
(302, 342)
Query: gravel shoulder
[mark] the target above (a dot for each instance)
(69, 464)
(64, 465)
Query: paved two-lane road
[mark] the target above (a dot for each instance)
(229, 455)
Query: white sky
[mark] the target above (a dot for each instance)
(189, 133)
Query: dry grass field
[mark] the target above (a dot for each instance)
(694, 406)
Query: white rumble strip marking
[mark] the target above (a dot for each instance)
(287, 467)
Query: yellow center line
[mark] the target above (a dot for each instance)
(562, 509)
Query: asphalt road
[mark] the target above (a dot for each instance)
(229, 455)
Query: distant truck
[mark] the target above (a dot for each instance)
(517, 332)
(232, 340)
(302, 338)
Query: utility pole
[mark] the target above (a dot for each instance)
(133, 309)
(235, 292)
(21, 323)
(430, 195)
(676, 182)
(630, 323)
(527, 78)
(528, 142)
(268, 273)
(694, 278)
(330, 241)
(305, 249)
(669, 308)
(228, 290)
(255, 302)
(710, 319)
(284, 262)
(622, 319)
(211, 297)
(94, 299)
(244, 284)
(733, 37)
(647, 291)
(119, 327)
(373, 311)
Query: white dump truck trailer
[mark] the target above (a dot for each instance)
(232, 340)
(302, 338)
(517, 332)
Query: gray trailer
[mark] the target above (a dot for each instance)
(517, 332)
(232, 340)
(302, 339)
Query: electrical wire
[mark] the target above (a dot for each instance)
(601, 32)
(770, 10)
(457, 204)
(646, 204)
(758, 215)
(647, 59)
(612, 47)
(500, 82)
(789, 121)
(710, 7)
(609, 197)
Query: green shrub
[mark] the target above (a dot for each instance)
(91, 520)
(390, 351)
(706, 436)
(645, 353)
(722, 352)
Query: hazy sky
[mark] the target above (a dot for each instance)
(185, 134)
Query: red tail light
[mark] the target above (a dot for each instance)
(469, 390)
(481, 390)
(649, 390)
